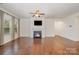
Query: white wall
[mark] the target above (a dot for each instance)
(68, 27)
(49, 27)
(26, 27)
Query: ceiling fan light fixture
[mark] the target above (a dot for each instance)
(36, 15)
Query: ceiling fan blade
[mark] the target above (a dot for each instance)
(31, 13)
(42, 14)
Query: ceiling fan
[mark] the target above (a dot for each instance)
(37, 13)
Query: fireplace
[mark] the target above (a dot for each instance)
(37, 34)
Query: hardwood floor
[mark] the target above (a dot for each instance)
(47, 46)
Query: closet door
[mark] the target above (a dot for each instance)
(7, 28)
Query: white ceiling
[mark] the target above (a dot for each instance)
(22, 10)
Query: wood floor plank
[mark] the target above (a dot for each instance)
(47, 46)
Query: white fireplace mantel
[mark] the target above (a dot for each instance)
(37, 28)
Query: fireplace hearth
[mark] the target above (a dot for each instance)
(37, 34)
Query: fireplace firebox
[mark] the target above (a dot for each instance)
(37, 34)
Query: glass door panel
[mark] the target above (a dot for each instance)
(7, 25)
(0, 30)
(16, 28)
